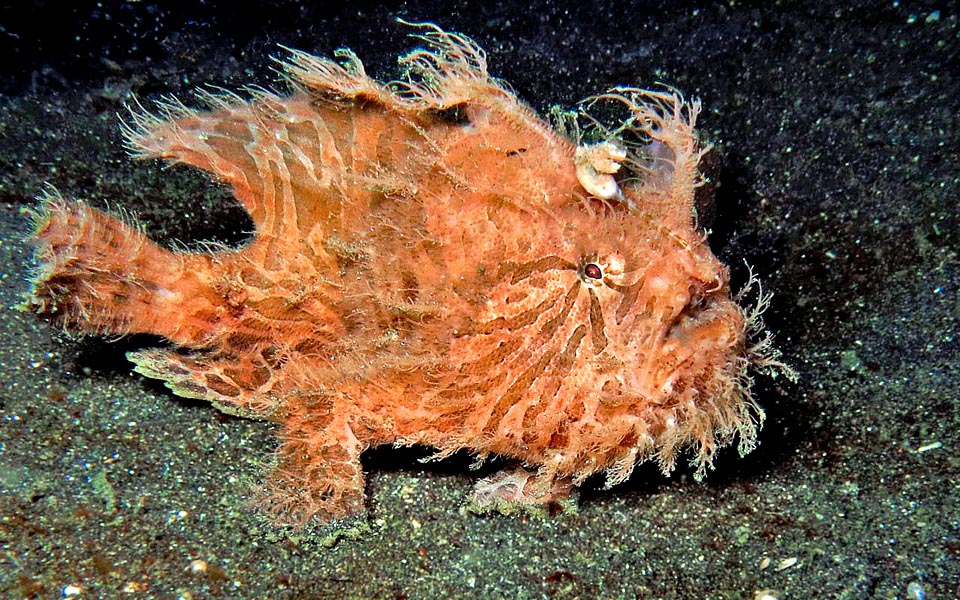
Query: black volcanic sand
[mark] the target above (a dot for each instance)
(838, 144)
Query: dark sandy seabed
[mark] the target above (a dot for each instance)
(839, 145)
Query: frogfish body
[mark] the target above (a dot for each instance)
(431, 264)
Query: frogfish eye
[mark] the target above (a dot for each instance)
(593, 271)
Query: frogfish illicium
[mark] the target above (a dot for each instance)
(432, 264)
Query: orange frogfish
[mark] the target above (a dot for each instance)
(432, 264)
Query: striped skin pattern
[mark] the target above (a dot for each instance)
(426, 268)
